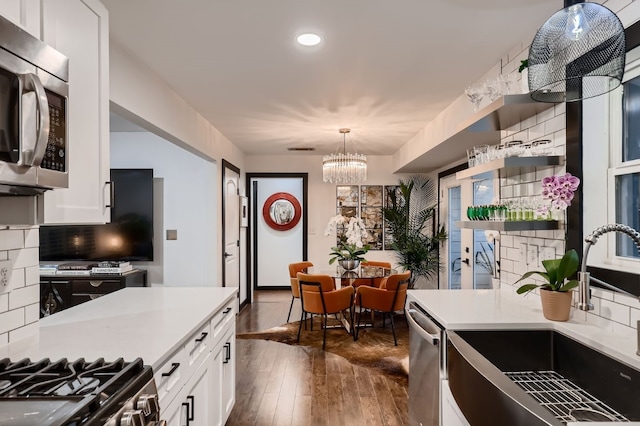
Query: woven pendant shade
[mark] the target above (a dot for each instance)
(577, 54)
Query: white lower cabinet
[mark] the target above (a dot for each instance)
(224, 372)
(205, 370)
(450, 413)
(194, 405)
(173, 413)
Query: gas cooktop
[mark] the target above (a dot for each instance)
(66, 392)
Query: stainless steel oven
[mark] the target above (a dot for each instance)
(33, 112)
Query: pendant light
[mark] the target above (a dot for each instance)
(577, 54)
(343, 167)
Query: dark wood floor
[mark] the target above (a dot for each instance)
(279, 384)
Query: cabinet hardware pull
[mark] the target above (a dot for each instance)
(112, 194)
(95, 283)
(192, 403)
(202, 337)
(226, 311)
(227, 352)
(186, 404)
(174, 367)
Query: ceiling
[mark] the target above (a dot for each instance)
(384, 69)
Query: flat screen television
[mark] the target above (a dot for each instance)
(129, 236)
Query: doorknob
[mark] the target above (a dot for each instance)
(227, 254)
(466, 261)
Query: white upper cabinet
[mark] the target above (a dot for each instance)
(79, 29)
(25, 13)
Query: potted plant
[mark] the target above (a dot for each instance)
(350, 249)
(410, 218)
(555, 292)
(523, 69)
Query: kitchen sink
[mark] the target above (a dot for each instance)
(537, 377)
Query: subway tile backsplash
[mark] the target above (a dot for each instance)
(19, 304)
(612, 311)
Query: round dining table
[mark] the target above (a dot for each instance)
(368, 274)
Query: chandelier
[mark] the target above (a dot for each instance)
(344, 167)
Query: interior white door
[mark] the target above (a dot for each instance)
(231, 228)
(275, 249)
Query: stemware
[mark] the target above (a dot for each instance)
(492, 89)
(475, 95)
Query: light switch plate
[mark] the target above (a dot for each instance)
(523, 253)
(532, 254)
(6, 266)
(172, 234)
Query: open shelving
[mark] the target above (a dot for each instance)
(509, 162)
(517, 225)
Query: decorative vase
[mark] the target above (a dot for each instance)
(349, 264)
(556, 305)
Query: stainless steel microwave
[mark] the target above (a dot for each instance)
(34, 94)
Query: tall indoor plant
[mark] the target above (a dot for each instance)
(410, 217)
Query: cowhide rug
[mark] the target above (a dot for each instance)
(374, 348)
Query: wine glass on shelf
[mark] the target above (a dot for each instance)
(475, 94)
(492, 89)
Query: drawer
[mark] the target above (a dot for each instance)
(223, 317)
(78, 298)
(171, 376)
(197, 347)
(95, 286)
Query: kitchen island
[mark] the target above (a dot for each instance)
(187, 335)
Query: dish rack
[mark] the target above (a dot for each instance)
(567, 401)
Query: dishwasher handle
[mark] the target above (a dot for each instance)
(426, 328)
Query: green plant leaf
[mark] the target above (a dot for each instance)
(523, 64)
(568, 265)
(569, 285)
(551, 266)
(526, 288)
(530, 273)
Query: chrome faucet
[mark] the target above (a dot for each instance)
(585, 278)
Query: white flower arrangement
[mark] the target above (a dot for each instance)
(353, 247)
(356, 230)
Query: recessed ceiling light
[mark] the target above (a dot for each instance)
(309, 39)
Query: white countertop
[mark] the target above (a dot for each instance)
(503, 309)
(145, 322)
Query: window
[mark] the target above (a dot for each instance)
(625, 159)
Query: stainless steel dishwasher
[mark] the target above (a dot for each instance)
(426, 367)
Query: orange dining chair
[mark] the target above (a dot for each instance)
(294, 268)
(385, 300)
(376, 282)
(318, 295)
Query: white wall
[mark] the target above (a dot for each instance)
(139, 95)
(189, 194)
